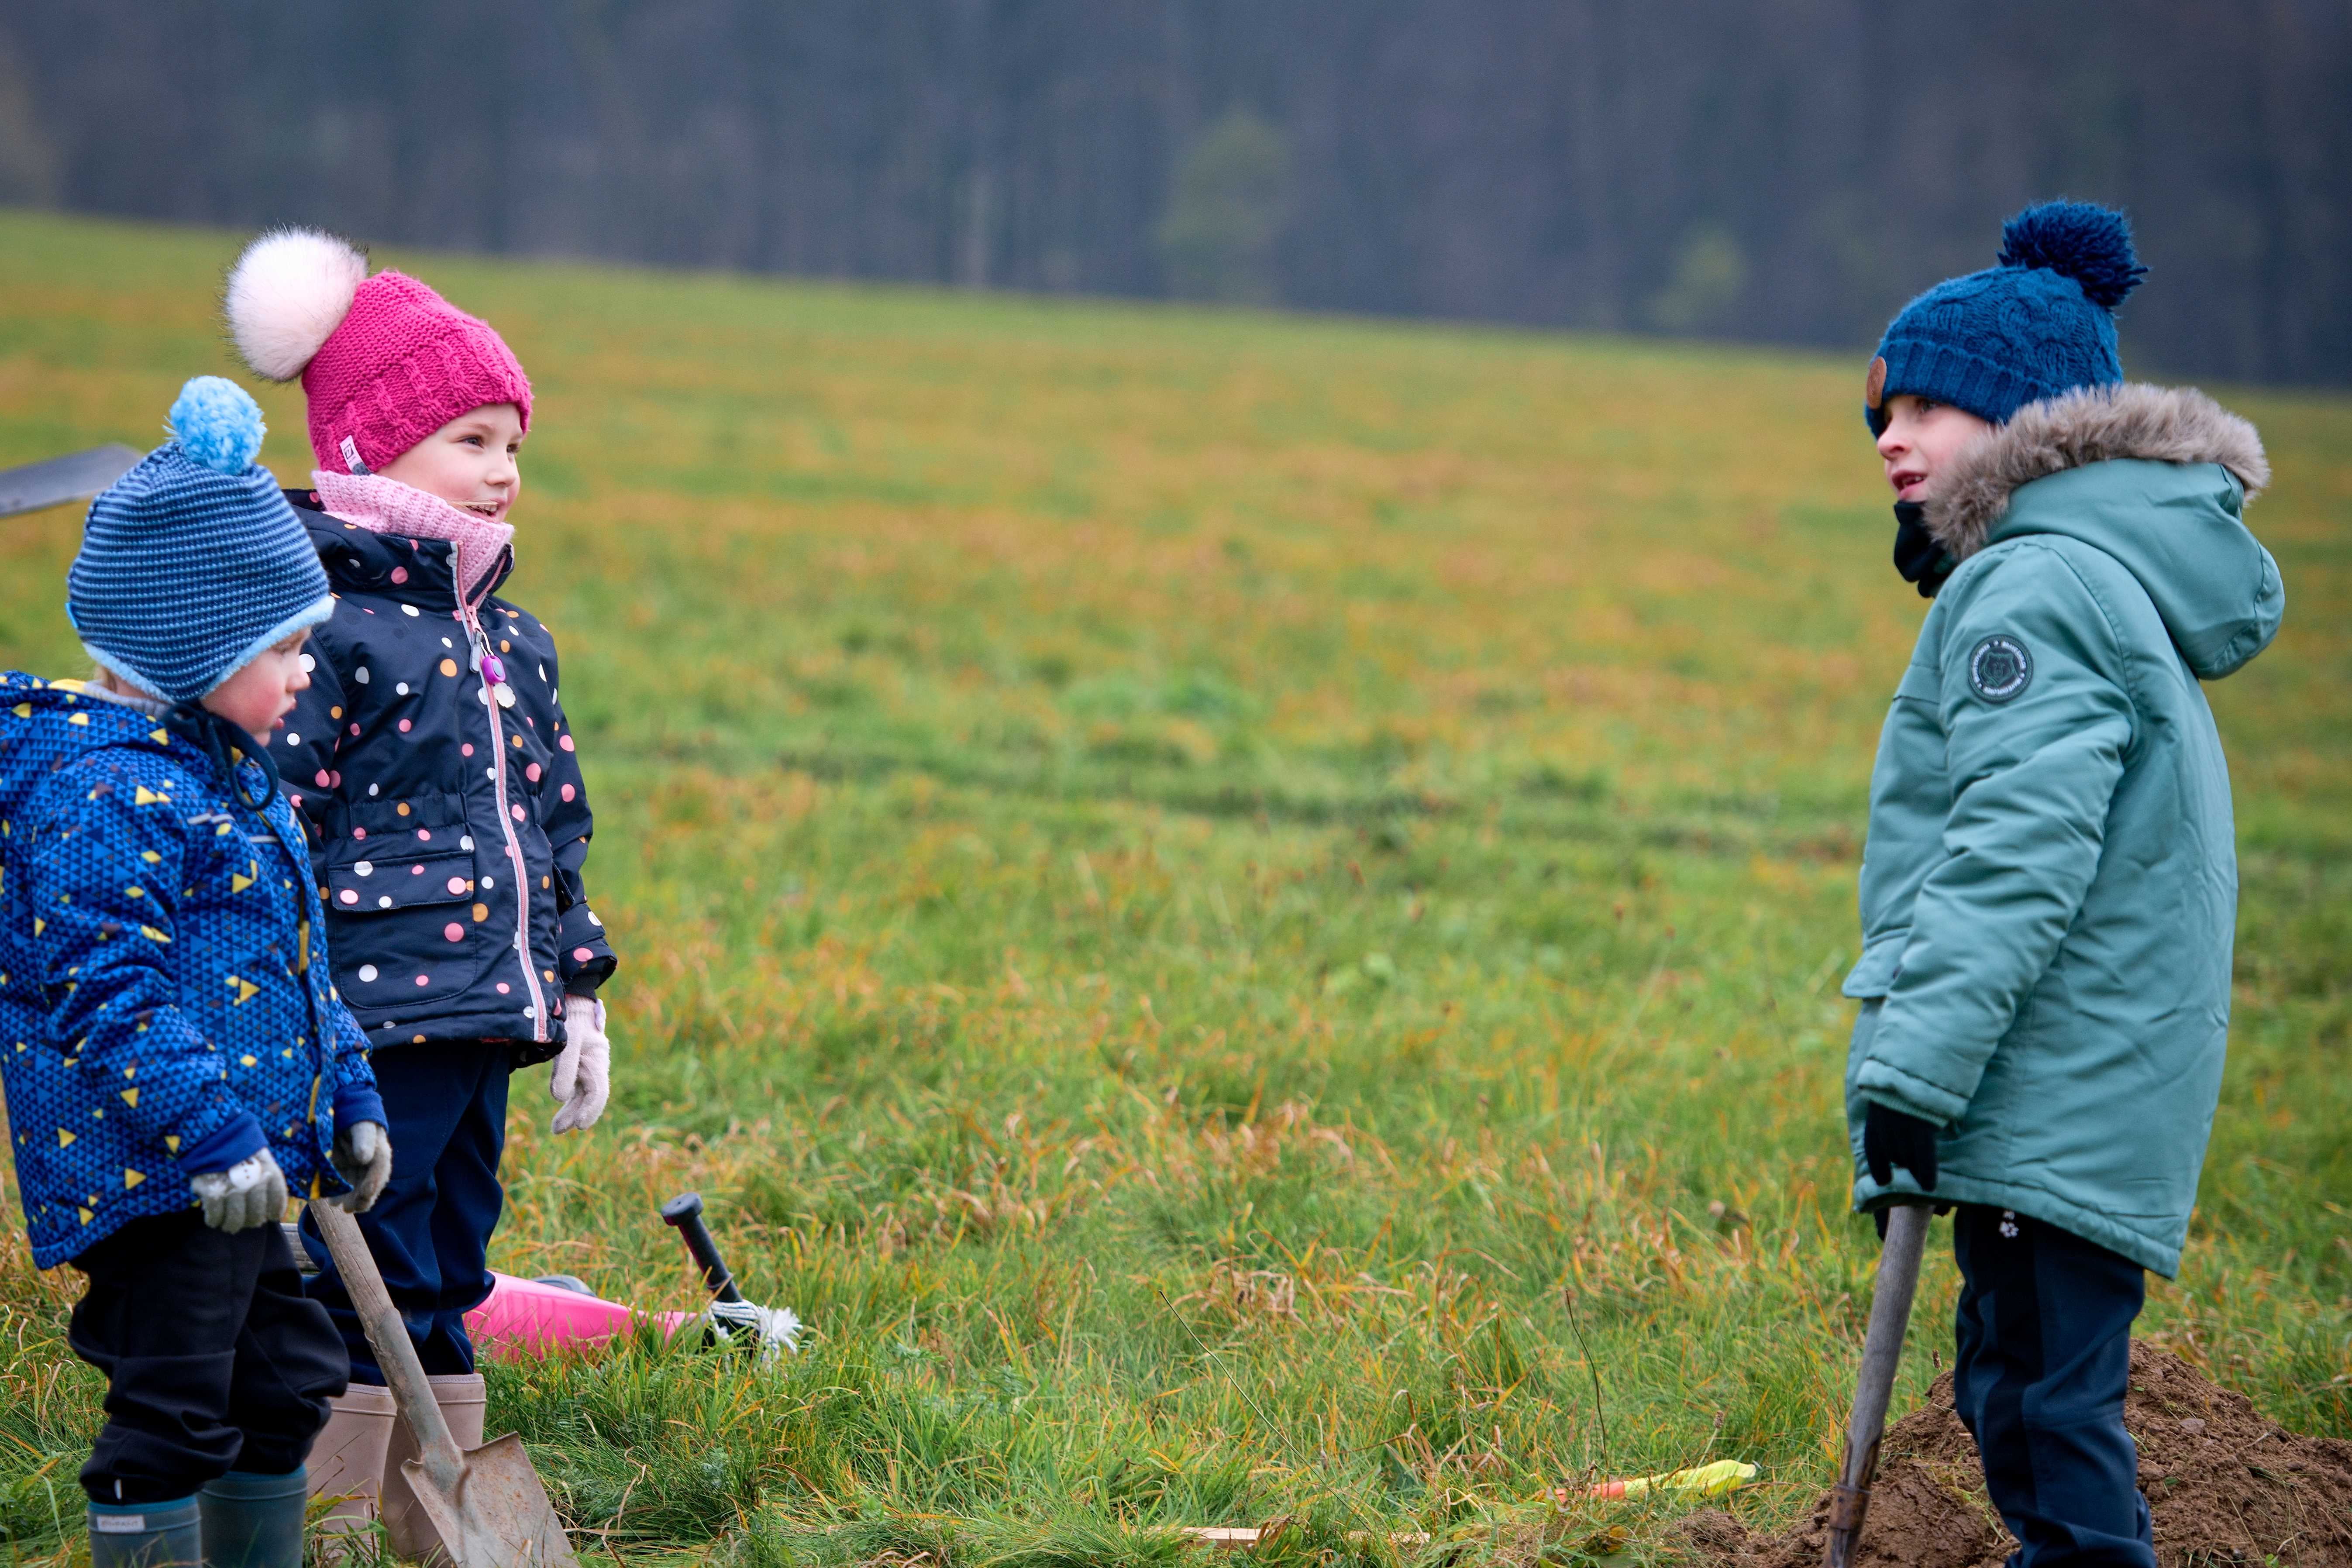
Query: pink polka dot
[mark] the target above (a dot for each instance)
(359, 833)
(504, 987)
(423, 980)
(566, 744)
(454, 931)
(581, 954)
(355, 729)
(336, 778)
(567, 791)
(531, 772)
(517, 812)
(400, 574)
(457, 885)
(425, 834)
(404, 727)
(348, 896)
(296, 799)
(466, 749)
(322, 778)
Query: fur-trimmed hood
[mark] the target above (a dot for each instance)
(2156, 477)
(2092, 424)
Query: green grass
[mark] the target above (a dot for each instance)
(1243, 913)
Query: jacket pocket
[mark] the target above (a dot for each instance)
(408, 929)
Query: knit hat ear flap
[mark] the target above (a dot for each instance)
(287, 295)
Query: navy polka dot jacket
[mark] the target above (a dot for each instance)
(162, 1010)
(431, 765)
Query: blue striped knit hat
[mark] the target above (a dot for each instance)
(2039, 322)
(192, 563)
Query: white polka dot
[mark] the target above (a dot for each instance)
(293, 739)
(384, 902)
(490, 882)
(360, 674)
(593, 920)
(490, 772)
(402, 688)
(372, 789)
(408, 609)
(365, 868)
(529, 1011)
(367, 971)
(466, 842)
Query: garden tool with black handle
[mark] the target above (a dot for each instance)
(772, 1331)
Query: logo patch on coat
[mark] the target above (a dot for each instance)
(2000, 669)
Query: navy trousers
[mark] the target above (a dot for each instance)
(446, 1105)
(2043, 1359)
(214, 1362)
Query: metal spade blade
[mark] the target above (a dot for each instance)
(75, 478)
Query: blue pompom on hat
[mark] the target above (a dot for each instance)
(2039, 322)
(192, 563)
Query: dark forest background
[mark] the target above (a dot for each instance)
(1785, 171)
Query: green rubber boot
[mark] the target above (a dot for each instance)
(143, 1535)
(254, 1522)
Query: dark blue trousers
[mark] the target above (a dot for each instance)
(446, 1105)
(214, 1362)
(2044, 1358)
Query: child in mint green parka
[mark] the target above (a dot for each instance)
(2049, 889)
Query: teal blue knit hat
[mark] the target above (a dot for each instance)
(2039, 323)
(192, 563)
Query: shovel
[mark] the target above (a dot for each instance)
(487, 1503)
(1882, 1353)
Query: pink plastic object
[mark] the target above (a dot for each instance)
(523, 1318)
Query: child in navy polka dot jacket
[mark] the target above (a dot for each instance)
(431, 760)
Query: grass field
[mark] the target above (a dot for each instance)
(1243, 913)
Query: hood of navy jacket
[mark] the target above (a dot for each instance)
(2157, 477)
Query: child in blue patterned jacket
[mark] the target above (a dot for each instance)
(176, 1057)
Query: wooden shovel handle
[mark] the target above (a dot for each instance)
(1882, 1353)
(444, 1461)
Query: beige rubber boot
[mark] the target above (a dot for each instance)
(461, 1398)
(347, 1457)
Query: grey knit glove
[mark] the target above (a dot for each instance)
(249, 1193)
(362, 1156)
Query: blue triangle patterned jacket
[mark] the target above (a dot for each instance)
(162, 1009)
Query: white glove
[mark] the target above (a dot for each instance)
(249, 1193)
(361, 1156)
(582, 1078)
(774, 1330)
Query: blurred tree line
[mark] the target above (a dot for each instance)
(1779, 170)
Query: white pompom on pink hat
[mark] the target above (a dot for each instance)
(385, 361)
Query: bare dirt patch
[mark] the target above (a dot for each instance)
(2224, 1484)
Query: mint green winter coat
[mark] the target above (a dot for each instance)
(2049, 886)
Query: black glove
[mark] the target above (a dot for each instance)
(1891, 1138)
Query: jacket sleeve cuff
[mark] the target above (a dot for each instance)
(583, 959)
(1904, 1092)
(357, 1102)
(239, 1138)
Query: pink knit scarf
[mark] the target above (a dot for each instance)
(384, 506)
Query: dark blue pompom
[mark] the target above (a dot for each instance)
(2091, 244)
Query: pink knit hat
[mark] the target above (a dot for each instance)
(384, 360)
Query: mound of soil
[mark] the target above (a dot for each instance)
(2224, 1485)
